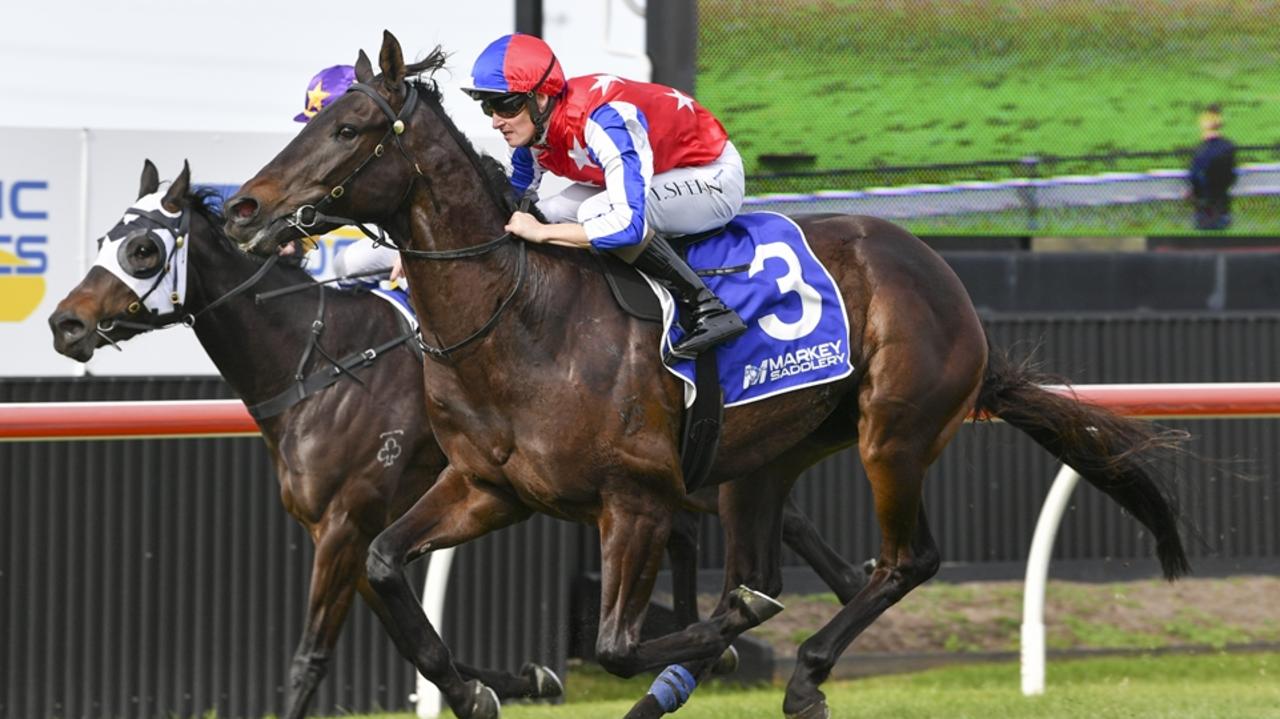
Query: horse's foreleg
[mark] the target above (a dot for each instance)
(749, 513)
(535, 681)
(633, 532)
(682, 554)
(338, 563)
(453, 511)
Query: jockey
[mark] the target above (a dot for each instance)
(360, 257)
(644, 158)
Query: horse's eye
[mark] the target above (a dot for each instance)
(347, 132)
(145, 250)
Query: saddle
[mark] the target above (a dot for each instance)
(631, 291)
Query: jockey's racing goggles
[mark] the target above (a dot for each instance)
(508, 105)
(504, 106)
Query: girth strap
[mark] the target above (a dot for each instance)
(320, 380)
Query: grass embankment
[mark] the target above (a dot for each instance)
(860, 83)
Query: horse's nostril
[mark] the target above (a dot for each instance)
(243, 209)
(71, 328)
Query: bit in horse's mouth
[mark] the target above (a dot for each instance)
(269, 238)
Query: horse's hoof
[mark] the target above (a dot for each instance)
(546, 685)
(483, 701)
(726, 664)
(817, 710)
(757, 606)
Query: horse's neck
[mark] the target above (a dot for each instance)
(453, 209)
(255, 347)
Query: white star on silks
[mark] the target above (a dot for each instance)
(682, 100)
(603, 82)
(579, 155)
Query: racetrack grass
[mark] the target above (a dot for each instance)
(862, 83)
(1217, 686)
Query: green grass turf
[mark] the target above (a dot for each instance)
(1218, 686)
(861, 83)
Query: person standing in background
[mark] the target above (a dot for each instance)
(1212, 173)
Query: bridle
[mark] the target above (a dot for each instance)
(307, 216)
(179, 228)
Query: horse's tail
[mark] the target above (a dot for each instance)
(1116, 454)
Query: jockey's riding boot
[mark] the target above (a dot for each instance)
(713, 322)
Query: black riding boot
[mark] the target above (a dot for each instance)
(713, 322)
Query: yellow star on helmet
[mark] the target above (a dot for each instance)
(315, 99)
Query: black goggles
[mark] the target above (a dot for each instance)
(504, 106)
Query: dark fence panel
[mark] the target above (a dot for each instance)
(985, 492)
(162, 577)
(150, 578)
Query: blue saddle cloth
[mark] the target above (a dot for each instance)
(797, 330)
(400, 300)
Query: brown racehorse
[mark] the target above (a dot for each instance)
(546, 398)
(343, 493)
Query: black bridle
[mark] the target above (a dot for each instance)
(303, 386)
(308, 216)
(180, 229)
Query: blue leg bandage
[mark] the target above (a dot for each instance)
(673, 687)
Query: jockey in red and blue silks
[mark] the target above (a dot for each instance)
(644, 158)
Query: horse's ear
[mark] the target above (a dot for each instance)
(150, 181)
(391, 59)
(364, 68)
(176, 197)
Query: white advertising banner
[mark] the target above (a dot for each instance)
(41, 255)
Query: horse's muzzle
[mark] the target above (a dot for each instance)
(72, 336)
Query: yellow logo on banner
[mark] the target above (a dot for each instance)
(19, 294)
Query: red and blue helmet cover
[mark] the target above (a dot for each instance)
(515, 63)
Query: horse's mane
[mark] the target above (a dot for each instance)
(207, 203)
(492, 172)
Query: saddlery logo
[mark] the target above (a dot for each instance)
(790, 364)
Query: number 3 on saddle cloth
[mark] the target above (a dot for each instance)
(797, 330)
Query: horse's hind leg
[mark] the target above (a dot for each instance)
(453, 511)
(338, 564)
(845, 579)
(908, 556)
